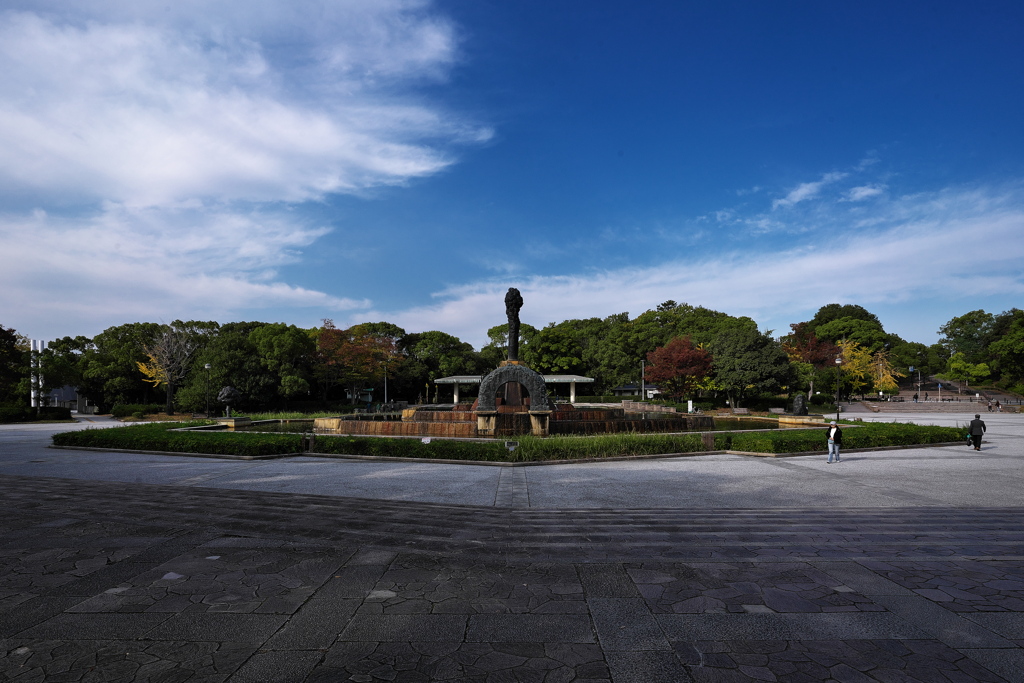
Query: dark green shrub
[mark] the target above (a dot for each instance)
(54, 413)
(411, 448)
(20, 412)
(16, 412)
(126, 409)
(159, 437)
(869, 435)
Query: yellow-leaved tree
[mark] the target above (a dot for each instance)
(884, 373)
(152, 372)
(856, 367)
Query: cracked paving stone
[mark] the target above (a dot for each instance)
(52, 660)
(851, 661)
(432, 585)
(960, 586)
(695, 588)
(416, 662)
(241, 580)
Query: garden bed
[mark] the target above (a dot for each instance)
(168, 437)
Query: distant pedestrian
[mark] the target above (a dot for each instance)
(915, 398)
(835, 441)
(999, 408)
(990, 406)
(926, 396)
(976, 429)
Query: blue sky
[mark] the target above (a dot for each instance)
(409, 161)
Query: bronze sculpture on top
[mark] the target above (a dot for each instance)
(513, 303)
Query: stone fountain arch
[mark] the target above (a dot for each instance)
(533, 382)
(489, 422)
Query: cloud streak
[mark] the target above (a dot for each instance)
(805, 191)
(916, 248)
(144, 115)
(159, 150)
(127, 264)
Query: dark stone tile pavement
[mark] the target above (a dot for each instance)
(101, 581)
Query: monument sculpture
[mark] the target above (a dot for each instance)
(799, 405)
(512, 373)
(513, 304)
(229, 396)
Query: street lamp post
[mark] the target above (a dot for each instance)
(643, 381)
(207, 366)
(839, 377)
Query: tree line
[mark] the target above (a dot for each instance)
(689, 352)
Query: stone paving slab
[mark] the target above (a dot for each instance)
(176, 578)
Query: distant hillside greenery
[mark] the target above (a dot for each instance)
(693, 352)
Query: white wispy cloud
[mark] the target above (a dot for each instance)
(915, 248)
(856, 194)
(126, 263)
(805, 191)
(144, 138)
(145, 115)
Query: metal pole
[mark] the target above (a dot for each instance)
(207, 390)
(839, 377)
(643, 381)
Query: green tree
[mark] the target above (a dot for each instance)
(830, 312)
(109, 365)
(748, 363)
(968, 334)
(287, 351)
(1008, 351)
(235, 361)
(866, 333)
(959, 369)
(436, 354)
(554, 349)
(14, 367)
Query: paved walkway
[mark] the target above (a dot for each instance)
(903, 565)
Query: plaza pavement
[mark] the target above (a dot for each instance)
(903, 565)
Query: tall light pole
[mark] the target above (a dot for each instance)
(643, 381)
(839, 377)
(207, 366)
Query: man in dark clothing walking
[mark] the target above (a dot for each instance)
(976, 429)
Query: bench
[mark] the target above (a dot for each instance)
(741, 411)
(777, 411)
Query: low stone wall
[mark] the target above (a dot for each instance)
(460, 430)
(443, 416)
(684, 424)
(463, 424)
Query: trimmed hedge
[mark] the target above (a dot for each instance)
(126, 409)
(19, 412)
(870, 435)
(159, 437)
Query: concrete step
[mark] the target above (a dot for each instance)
(965, 407)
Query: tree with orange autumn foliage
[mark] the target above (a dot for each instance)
(678, 366)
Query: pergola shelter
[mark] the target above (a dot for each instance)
(571, 380)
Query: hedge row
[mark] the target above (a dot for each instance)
(870, 435)
(126, 409)
(19, 412)
(159, 437)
